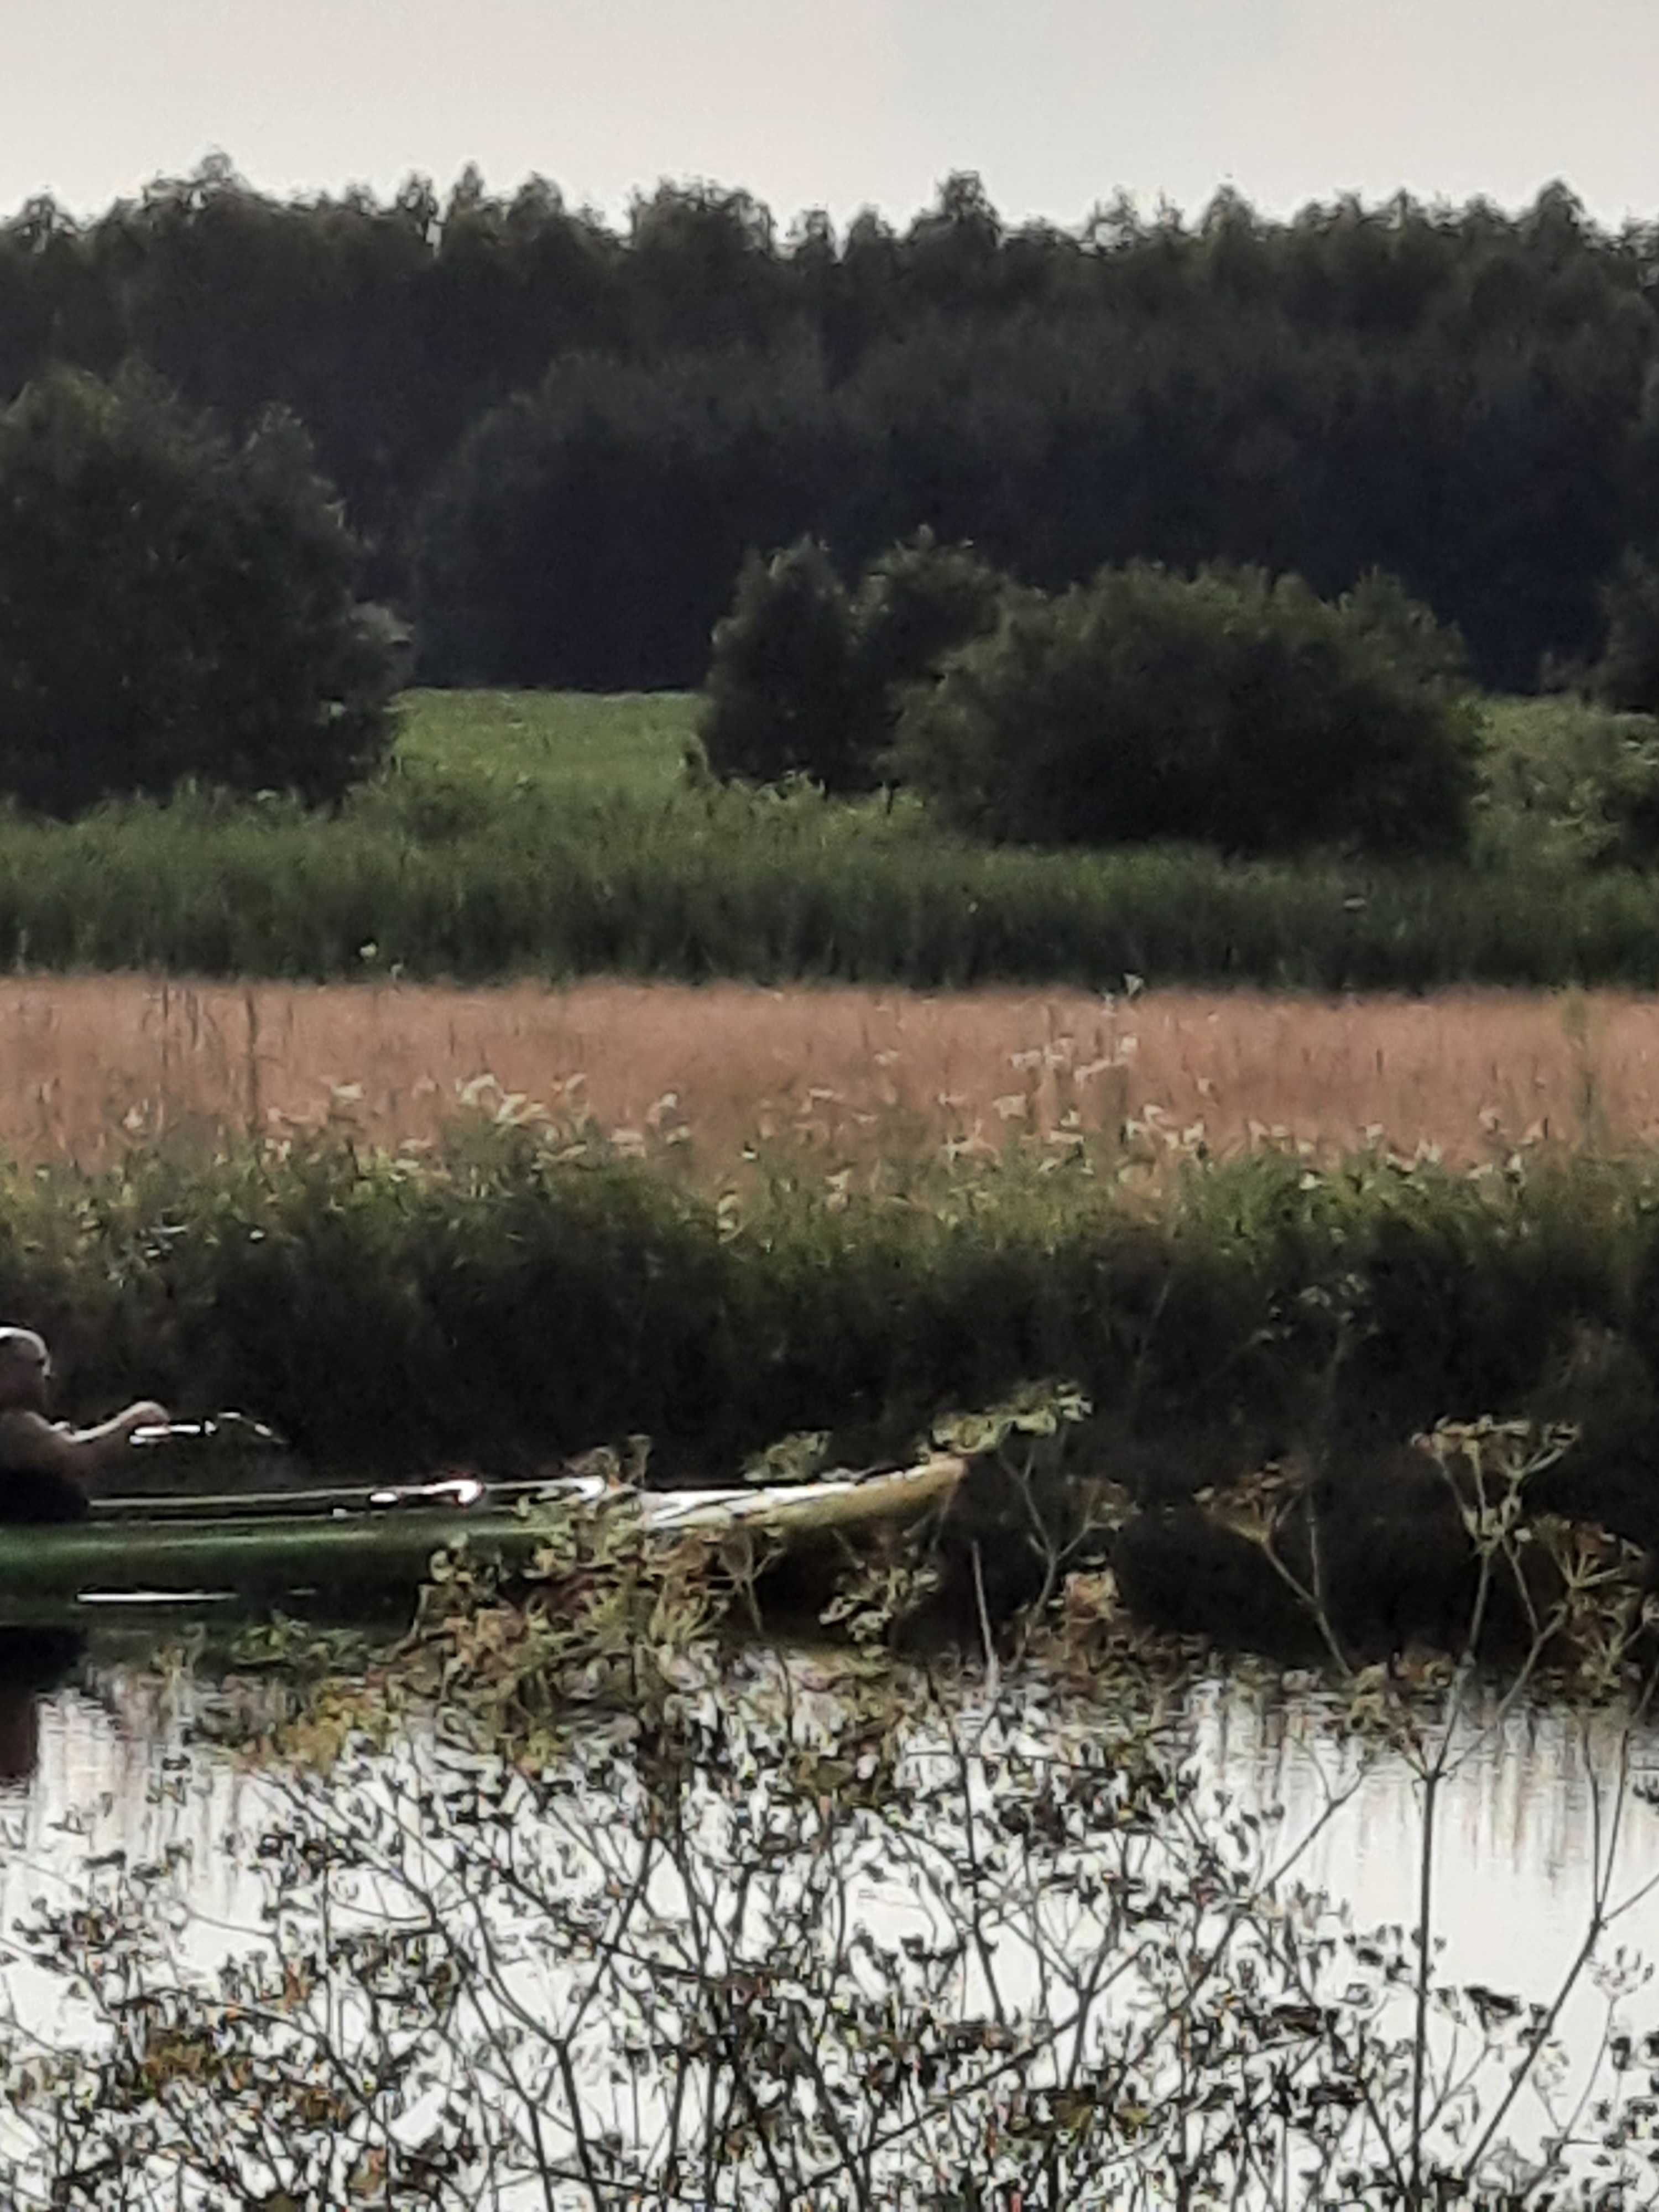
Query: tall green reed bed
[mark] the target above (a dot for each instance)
(521, 1296)
(438, 876)
(551, 833)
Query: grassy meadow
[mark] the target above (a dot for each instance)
(710, 1081)
(754, 956)
(518, 834)
(575, 745)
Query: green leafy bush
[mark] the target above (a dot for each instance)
(782, 699)
(1567, 784)
(172, 606)
(1231, 709)
(914, 606)
(809, 680)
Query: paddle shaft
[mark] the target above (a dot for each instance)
(367, 1499)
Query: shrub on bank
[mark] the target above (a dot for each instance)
(1232, 708)
(912, 606)
(511, 1301)
(1567, 785)
(173, 607)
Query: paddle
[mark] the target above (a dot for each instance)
(451, 1493)
(238, 1429)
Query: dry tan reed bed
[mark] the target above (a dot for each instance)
(90, 1065)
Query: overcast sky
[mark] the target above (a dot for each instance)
(842, 103)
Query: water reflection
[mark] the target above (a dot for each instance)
(103, 1764)
(33, 1663)
(1527, 1820)
(1536, 1796)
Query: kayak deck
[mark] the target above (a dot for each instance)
(263, 1547)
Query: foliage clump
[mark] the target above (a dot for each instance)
(173, 607)
(915, 605)
(1568, 785)
(586, 530)
(781, 697)
(1627, 675)
(808, 679)
(1231, 709)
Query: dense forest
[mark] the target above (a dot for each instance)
(557, 437)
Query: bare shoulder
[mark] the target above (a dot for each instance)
(29, 1440)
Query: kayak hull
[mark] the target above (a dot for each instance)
(263, 1554)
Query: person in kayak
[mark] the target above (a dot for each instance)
(45, 1465)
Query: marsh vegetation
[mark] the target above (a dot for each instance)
(1323, 1326)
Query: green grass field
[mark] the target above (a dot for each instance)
(630, 745)
(1563, 778)
(551, 835)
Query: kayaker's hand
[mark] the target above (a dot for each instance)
(147, 1414)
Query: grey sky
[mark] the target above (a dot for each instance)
(843, 102)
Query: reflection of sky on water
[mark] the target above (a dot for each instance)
(1517, 1818)
(1513, 1867)
(1518, 1821)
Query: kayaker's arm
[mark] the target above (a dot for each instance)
(28, 1440)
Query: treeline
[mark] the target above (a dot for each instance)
(559, 438)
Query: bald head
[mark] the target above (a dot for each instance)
(25, 1370)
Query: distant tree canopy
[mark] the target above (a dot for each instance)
(558, 438)
(174, 606)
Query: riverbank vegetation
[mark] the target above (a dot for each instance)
(523, 1296)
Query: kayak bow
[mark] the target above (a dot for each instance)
(261, 1547)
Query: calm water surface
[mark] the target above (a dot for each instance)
(1521, 1820)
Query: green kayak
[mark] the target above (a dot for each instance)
(374, 1543)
